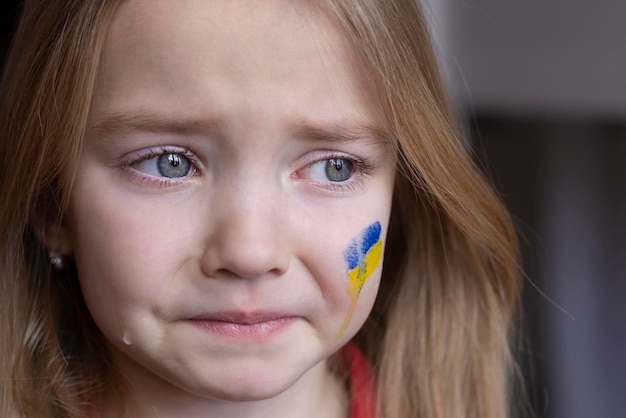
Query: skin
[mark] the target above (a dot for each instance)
(257, 96)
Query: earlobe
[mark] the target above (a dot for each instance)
(55, 237)
(49, 225)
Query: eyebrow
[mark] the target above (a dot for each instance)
(121, 123)
(343, 131)
(139, 121)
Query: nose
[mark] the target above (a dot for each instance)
(247, 239)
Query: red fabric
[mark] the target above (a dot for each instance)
(362, 392)
(362, 389)
(92, 411)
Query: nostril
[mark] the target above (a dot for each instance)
(244, 260)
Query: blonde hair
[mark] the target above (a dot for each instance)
(442, 325)
(51, 361)
(438, 337)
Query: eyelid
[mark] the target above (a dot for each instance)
(130, 160)
(362, 168)
(146, 153)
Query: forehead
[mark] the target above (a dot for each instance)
(280, 49)
(256, 28)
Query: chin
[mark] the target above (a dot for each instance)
(248, 391)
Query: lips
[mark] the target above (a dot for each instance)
(244, 326)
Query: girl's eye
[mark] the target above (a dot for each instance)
(172, 165)
(335, 170)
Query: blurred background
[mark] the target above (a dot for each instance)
(540, 90)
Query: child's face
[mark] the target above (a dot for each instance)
(233, 155)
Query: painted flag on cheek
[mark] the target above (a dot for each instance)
(363, 255)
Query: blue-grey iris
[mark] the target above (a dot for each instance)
(173, 165)
(338, 169)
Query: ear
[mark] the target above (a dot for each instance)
(55, 237)
(48, 223)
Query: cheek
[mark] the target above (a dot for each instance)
(106, 262)
(127, 254)
(363, 258)
(366, 301)
(347, 268)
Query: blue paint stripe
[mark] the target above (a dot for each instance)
(358, 248)
(352, 255)
(371, 236)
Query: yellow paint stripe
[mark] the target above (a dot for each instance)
(362, 272)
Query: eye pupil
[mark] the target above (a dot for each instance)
(338, 169)
(174, 160)
(173, 165)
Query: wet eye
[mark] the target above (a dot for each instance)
(167, 164)
(338, 169)
(173, 165)
(333, 169)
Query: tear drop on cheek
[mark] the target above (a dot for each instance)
(126, 339)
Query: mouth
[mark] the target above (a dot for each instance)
(244, 326)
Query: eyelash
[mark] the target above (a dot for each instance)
(161, 182)
(361, 169)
